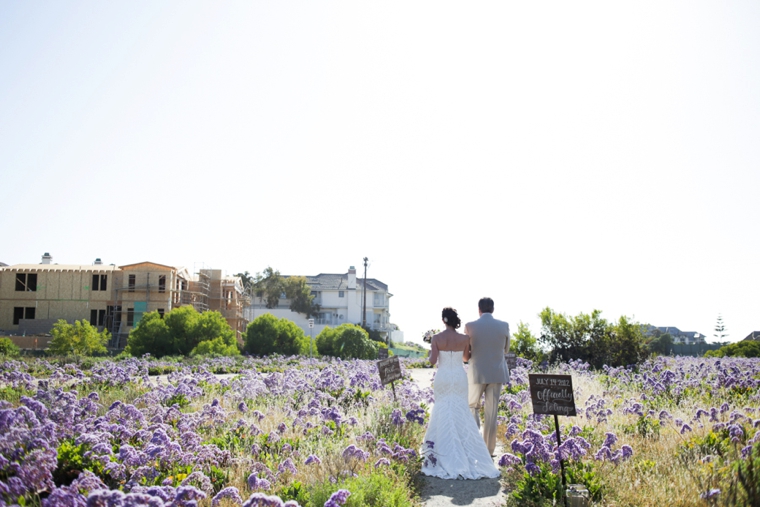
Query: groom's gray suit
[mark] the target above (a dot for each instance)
(489, 339)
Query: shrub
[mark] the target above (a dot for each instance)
(346, 341)
(215, 347)
(79, 338)
(8, 348)
(179, 332)
(269, 335)
(745, 348)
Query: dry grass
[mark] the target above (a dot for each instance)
(659, 474)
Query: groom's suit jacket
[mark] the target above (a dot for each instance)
(489, 339)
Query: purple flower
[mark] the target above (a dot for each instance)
(254, 482)
(610, 440)
(382, 462)
(685, 428)
(262, 500)
(338, 498)
(312, 459)
(508, 459)
(230, 493)
(710, 493)
(396, 417)
(532, 468)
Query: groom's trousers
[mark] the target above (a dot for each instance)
(492, 404)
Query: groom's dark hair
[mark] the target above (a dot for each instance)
(485, 305)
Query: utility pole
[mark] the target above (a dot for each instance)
(364, 296)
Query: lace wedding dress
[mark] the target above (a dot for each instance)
(453, 447)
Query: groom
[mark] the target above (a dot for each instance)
(489, 341)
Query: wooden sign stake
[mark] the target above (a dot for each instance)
(561, 461)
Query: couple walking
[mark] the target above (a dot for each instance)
(453, 445)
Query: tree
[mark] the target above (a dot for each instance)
(593, 339)
(179, 332)
(270, 286)
(720, 333)
(524, 344)
(269, 335)
(661, 343)
(80, 338)
(346, 341)
(299, 294)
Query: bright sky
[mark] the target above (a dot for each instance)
(576, 155)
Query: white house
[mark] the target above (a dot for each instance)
(341, 300)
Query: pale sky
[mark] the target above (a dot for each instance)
(576, 155)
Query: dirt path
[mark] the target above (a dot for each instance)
(441, 492)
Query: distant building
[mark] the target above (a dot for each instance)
(679, 337)
(33, 297)
(754, 335)
(340, 298)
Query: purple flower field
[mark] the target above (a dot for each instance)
(280, 431)
(287, 431)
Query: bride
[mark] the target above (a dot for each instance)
(453, 447)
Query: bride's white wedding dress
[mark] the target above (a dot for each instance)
(453, 447)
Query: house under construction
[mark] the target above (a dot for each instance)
(35, 296)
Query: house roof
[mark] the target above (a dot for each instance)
(61, 267)
(754, 335)
(339, 281)
(674, 331)
(147, 264)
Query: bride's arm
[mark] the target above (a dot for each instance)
(433, 356)
(467, 352)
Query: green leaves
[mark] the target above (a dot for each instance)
(591, 338)
(346, 341)
(80, 338)
(181, 332)
(269, 335)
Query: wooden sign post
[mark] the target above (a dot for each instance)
(553, 394)
(390, 371)
(511, 359)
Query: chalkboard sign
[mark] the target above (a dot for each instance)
(552, 394)
(390, 370)
(382, 353)
(511, 358)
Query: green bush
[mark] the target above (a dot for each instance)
(346, 341)
(79, 338)
(269, 335)
(179, 332)
(745, 348)
(8, 348)
(215, 347)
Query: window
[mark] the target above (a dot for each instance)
(99, 282)
(161, 283)
(26, 282)
(130, 316)
(131, 285)
(20, 312)
(98, 318)
(341, 293)
(161, 312)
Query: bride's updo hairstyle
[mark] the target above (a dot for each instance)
(450, 317)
